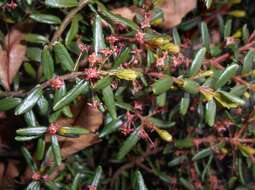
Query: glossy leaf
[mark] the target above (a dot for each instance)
(29, 101)
(56, 150)
(97, 176)
(25, 152)
(40, 149)
(72, 32)
(162, 85)
(248, 61)
(76, 182)
(30, 119)
(63, 56)
(122, 58)
(71, 95)
(110, 128)
(210, 112)
(72, 131)
(128, 144)
(205, 35)
(197, 62)
(43, 105)
(140, 181)
(191, 86)
(109, 101)
(184, 104)
(202, 154)
(9, 103)
(102, 83)
(229, 72)
(31, 131)
(45, 18)
(47, 63)
(227, 29)
(61, 3)
(35, 38)
(98, 36)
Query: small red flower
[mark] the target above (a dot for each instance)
(138, 105)
(11, 5)
(161, 61)
(139, 36)
(56, 83)
(93, 59)
(53, 129)
(83, 47)
(95, 104)
(106, 52)
(146, 21)
(112, 39)
(125, 130)
(91, 73)
(45, 178)
(92, 187)
(230, 40)
(36, 176)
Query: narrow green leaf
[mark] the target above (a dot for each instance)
(56, 150)
(29, 101)
(191, 86)
(72, 32)
(240, 170)
(78, 89)
(150, 58)
(197, 62)
(124, 56)
(63, 56)
(31, 131)
(238, 90)
(207, 167)
(67, 112)
(102, 83)
(61, 3)
(72, 131)
(208, 3)
(47, 63)
(202, 154)
(110, 128)
(45, 18)
(76, 182)
(176, 36)
(30, 119)
(34, 185)
(109, 101)
(248, 61)
(40, 149)
(23, 138)
(161, 99)
(184, 104)
(98, 36)
(229, 72)
(186, 184)
(227, 29)
(160, 123)
(184, 143)
(210, 112)
(177, 161)
(162, 85)
(97, 176)
(43, 105)
(140, 181)
(28, 158)
(245, 33)
(205, 35)
(35, 38)
(117, 18)
(60, 93)
(9, 103)
(28, 68)
(128, 144)
(34, 54)
(231, 97)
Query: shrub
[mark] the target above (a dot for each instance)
(114, 95)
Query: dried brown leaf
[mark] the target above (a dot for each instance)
(174, 11)
(12, 57)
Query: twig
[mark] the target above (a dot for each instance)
(68, 19)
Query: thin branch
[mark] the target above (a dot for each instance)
(68, 19)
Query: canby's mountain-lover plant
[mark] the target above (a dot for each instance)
(177, 103)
